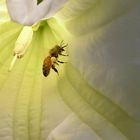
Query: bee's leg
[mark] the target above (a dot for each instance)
(61, 61)
(61, 43)
(65, 46)
(56, 63)
(53, 67)
(64, 54)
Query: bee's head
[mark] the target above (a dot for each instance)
(59, 49)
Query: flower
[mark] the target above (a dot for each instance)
(31, 12)
(96, 95)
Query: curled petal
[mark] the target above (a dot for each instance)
(106, 47)
(28, 12)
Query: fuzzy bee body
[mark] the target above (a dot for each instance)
(47, 64)
(50, 61)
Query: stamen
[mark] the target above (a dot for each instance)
(13, 62)
(22, 43)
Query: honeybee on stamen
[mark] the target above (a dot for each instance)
(52, 59)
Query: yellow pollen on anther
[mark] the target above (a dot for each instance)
(22, 43)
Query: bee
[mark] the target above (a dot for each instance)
(57, 50)
(52, 59)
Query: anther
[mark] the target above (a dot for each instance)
(22, 43)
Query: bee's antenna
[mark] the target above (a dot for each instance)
(61, 43)
(65, 46)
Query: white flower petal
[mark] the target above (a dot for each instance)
(3, 12)
(73, 128)
(106, 48)
(104, 95)
(28, 12)
(106, 118)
